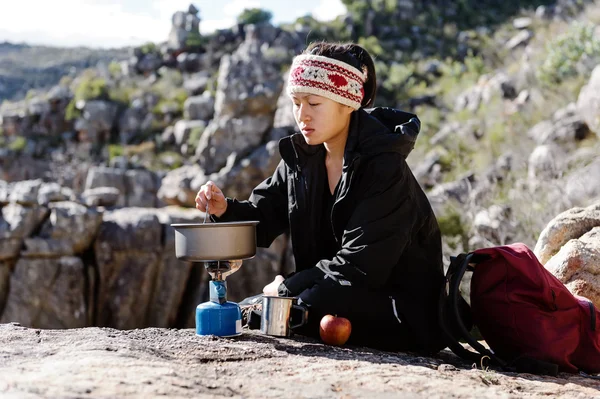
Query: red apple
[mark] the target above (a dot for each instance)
(335, 330)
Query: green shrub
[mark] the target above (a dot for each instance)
(452, 225)
(18, 144)
(254, 16)
(567, 53)
(115, 150)
(114, 68)
(148, 48)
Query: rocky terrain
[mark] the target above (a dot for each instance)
(94, 170)
(105, 363)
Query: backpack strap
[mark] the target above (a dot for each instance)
(450, 319)
(453, 327)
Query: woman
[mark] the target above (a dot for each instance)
(365, 240)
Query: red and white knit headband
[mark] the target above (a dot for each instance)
(327, 77)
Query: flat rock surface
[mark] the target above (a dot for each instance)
(103, 362)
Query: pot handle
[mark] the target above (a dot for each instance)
(303, 316)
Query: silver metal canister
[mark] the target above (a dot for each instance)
(276, 316)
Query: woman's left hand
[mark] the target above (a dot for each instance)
(271, 288)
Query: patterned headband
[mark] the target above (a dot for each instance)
(327, 77)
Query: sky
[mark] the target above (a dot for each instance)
(117, 23)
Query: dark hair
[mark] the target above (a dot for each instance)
(354, 55)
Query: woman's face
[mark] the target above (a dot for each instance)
(320, 119)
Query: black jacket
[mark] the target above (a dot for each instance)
(382, 220)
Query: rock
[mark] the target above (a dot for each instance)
(37, 247)
(19, 221)
(183, 129)
(487, 88)
(190, 62)
(520, 39)
(225, 136)
(15, 168)
(237, 181)
(101, 196)
(566, 127)
(568, 225)
(172, 274)
(588, 103)
(247, 84)
(577, 265)
(583, 185)
(103, 362)
(458, 191)
(284, 115)
(128, 250)
(72, 223)
(97, 120)
(134, 122)
(53, 192)
(180, 186)
(196, 83)
(470, 131)
(138, 187)
(522, 23)
(546, 162)
(25, 192)
(47, 293)
(494, 224)
(5, 269)
(199, 107)
(4, 192)
(168, 135)
(100, 176)
(9, 248)
(142, 186)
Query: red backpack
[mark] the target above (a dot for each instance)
(529, 319)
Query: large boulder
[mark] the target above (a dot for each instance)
(20, 222)
(138, 187)
(583, 185)
(199, 107)
(227, 135)
(546, 162)
(48, 293)
(577, 265)
(569, 225)
(180, 186)
(248, 84)
(588, 103)
(71, 225)
(172, 274)
(128, 250)
(25, 192)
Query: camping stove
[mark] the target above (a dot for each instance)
(218, 316)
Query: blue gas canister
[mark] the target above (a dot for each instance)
(218, 316)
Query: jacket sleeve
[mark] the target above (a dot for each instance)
(377, 233)
(268, 203)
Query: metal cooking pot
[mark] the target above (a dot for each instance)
(202, 242)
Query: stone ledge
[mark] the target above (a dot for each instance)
(103, 362)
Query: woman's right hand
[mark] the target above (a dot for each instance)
(212, 195)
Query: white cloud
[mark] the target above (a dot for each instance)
(116, 23)
(329, 9)
(73, 23)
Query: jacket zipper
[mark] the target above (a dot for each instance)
(350, 176)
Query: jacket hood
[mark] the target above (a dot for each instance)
(372, 131)
(384, 129)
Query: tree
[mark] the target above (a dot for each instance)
(254, 16)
